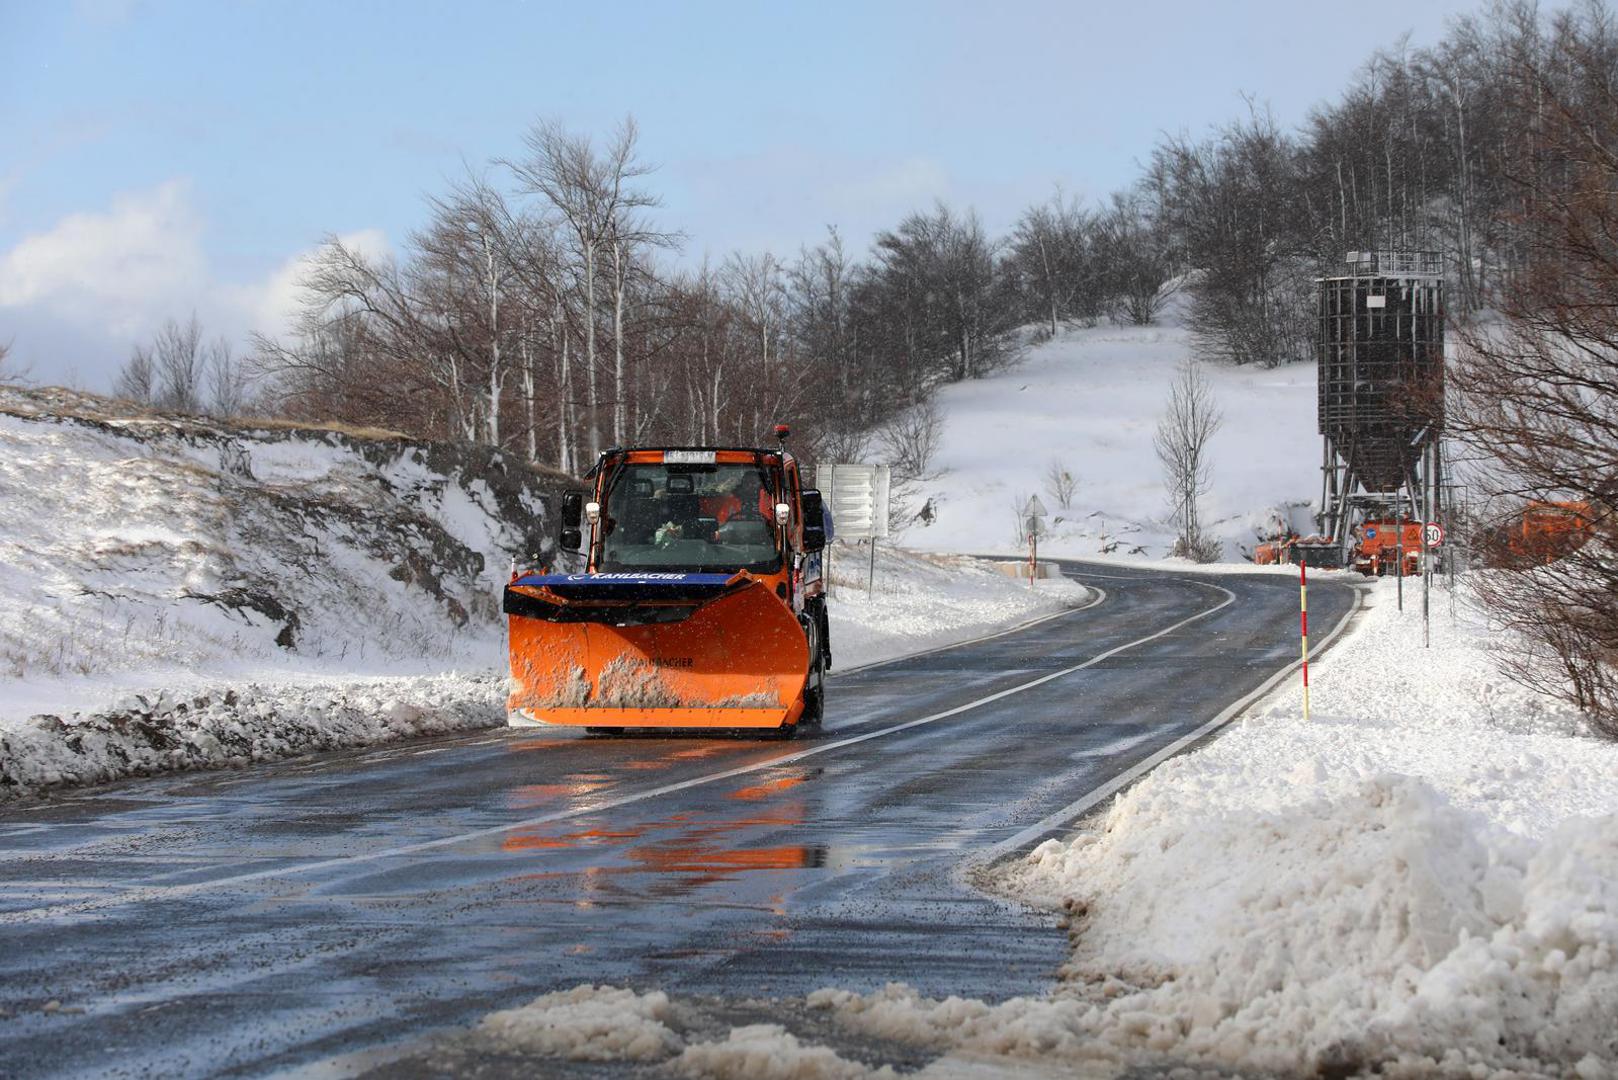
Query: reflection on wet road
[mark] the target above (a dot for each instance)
(283, 915)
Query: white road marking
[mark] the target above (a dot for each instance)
(1078, 807)
(1099, 597)
(174, 892)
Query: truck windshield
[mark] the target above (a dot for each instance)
(700, 518)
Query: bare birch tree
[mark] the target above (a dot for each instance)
(8, 374)
(137, 379)
(1188, 423)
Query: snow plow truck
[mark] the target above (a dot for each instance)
(700, 601)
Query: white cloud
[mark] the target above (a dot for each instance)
(269, 306)
(87, 288)
(113, 268)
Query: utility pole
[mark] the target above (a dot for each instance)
(1399, 540)
(1429, 466)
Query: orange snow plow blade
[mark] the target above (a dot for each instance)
(654, 650)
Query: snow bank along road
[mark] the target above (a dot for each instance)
(260, 920)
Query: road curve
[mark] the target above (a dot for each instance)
(255, 921)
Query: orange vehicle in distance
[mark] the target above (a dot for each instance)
(1541, 533)
(1377, 543)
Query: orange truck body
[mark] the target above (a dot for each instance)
(1547, 531)
(1376, 551)
(700, 604)
(1317, 551)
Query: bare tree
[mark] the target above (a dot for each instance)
(562, 168)
(8, 375)
(627, 234)
(227, 381)
(1133, 259)
(1061, 484)
(910, 440)
(1536, 392)
(756, 287)
(597, 198)
(171, 372)
(1188, 423)
(137, 379)
(1052, 257)
(469, 246)
(1225, 200)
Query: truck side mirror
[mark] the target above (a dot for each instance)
(572, 538)
(814, 521)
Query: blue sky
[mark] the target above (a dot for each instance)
(160, 158)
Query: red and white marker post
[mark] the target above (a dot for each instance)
(1303, 626)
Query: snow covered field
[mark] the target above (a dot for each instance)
(924, 601)
(1091, 399)
(1422, 880)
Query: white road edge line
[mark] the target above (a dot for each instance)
(174, 892)
(1082, 805)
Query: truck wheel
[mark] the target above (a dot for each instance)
(814, 688)
(814, 693)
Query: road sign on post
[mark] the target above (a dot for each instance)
(857, 496)
(1034, 524)
(1434, 534)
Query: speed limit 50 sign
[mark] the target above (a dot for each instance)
(1433, 534)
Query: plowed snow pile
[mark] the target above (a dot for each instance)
(1422, 880)
(606, 1023)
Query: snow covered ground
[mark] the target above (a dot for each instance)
(177, 594)
(142, 552)
(1421, 880)
(923, 601)
(1090, 399)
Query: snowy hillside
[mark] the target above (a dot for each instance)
(176, 592)
(1091, 399)
(142, 550)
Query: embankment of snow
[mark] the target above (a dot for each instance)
(587, 1023)
(923, 601)
(143, 550)
(141, 736)
(770, 1052)
(1421, 880)
(177, 592)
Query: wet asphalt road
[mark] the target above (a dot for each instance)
(257, 921)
